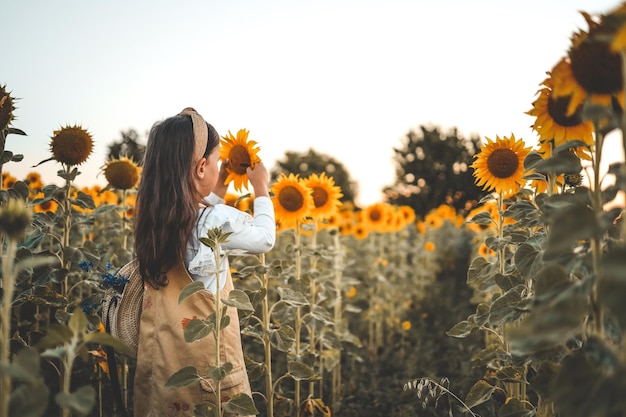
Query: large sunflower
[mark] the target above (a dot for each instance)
(6, 108)
(293, 200)
(555, 127)
(591, 71)
(122, 173)
(326, 195)
(241, 154)
(499, 165)
(71, 145)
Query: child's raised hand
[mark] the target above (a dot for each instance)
(259, 179)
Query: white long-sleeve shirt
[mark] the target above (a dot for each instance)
(249, 234)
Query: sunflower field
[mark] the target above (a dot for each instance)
(511, 308)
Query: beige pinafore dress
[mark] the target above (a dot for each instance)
(163, 351)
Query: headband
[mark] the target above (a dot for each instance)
(200, 132)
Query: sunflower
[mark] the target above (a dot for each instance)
(555, 127)
(377, 216)
(591, 71)
(6, 108)
(71, 145)
(122, 173)
(429, 246)
(596, 68)
(241, 154)
(8, 180)
(407, 213)
(326, 195)
(293, 200)
(361, 230)
(499, 165)
(615, 24)
(33, 179)
(15, 218)
(41, 205)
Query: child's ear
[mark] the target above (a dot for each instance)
(201, 168)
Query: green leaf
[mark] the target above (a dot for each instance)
(197, 329)
(57, 335)
(190, 289)
(511, 374)
(183, 377)
(482, 218)
(549, 325)
(6, 157)
(107, 339)
(282, 338)
(25, 366)
(480, 392)
(219, 373)
(29, 400)
(292, 298)
(504, 308)
(80, 401)
(570, 226)
(551, 280)
(461, 329)
(241, 404)
(527, 259)
(301, 371)
(239, 300)
(506, 282)
(560, 163)
(480, 274)
(516, 408)
(78, 322)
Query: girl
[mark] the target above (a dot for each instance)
(180, 197)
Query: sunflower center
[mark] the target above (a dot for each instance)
(596, 68)
(375, 215)
(557, 108)
(291, 199)
(320, 197)
(239, 159)
(502, 163)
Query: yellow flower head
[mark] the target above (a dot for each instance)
(8, 180)
(556, 125)
(293, 200)
(326, 195)
(499, 165)
(241, 154)
(377, 216)
(429, 246)
(594, 65)
(6, 108)
(71, 145)
(44, 206)
(14, 218)
(122, 173)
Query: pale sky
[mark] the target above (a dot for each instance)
(348, 78)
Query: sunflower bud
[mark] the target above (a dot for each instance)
(6, 108)
(122, 173)
(71, 145)
(14, 219)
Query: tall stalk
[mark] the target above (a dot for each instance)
(338, 267)
(313, 296)
(217, 249)
(67, 225)
(265, 317)
(8, 286)
(298, 323)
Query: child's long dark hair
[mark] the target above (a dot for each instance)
(167, 200)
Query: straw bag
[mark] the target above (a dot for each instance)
(121, 312)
